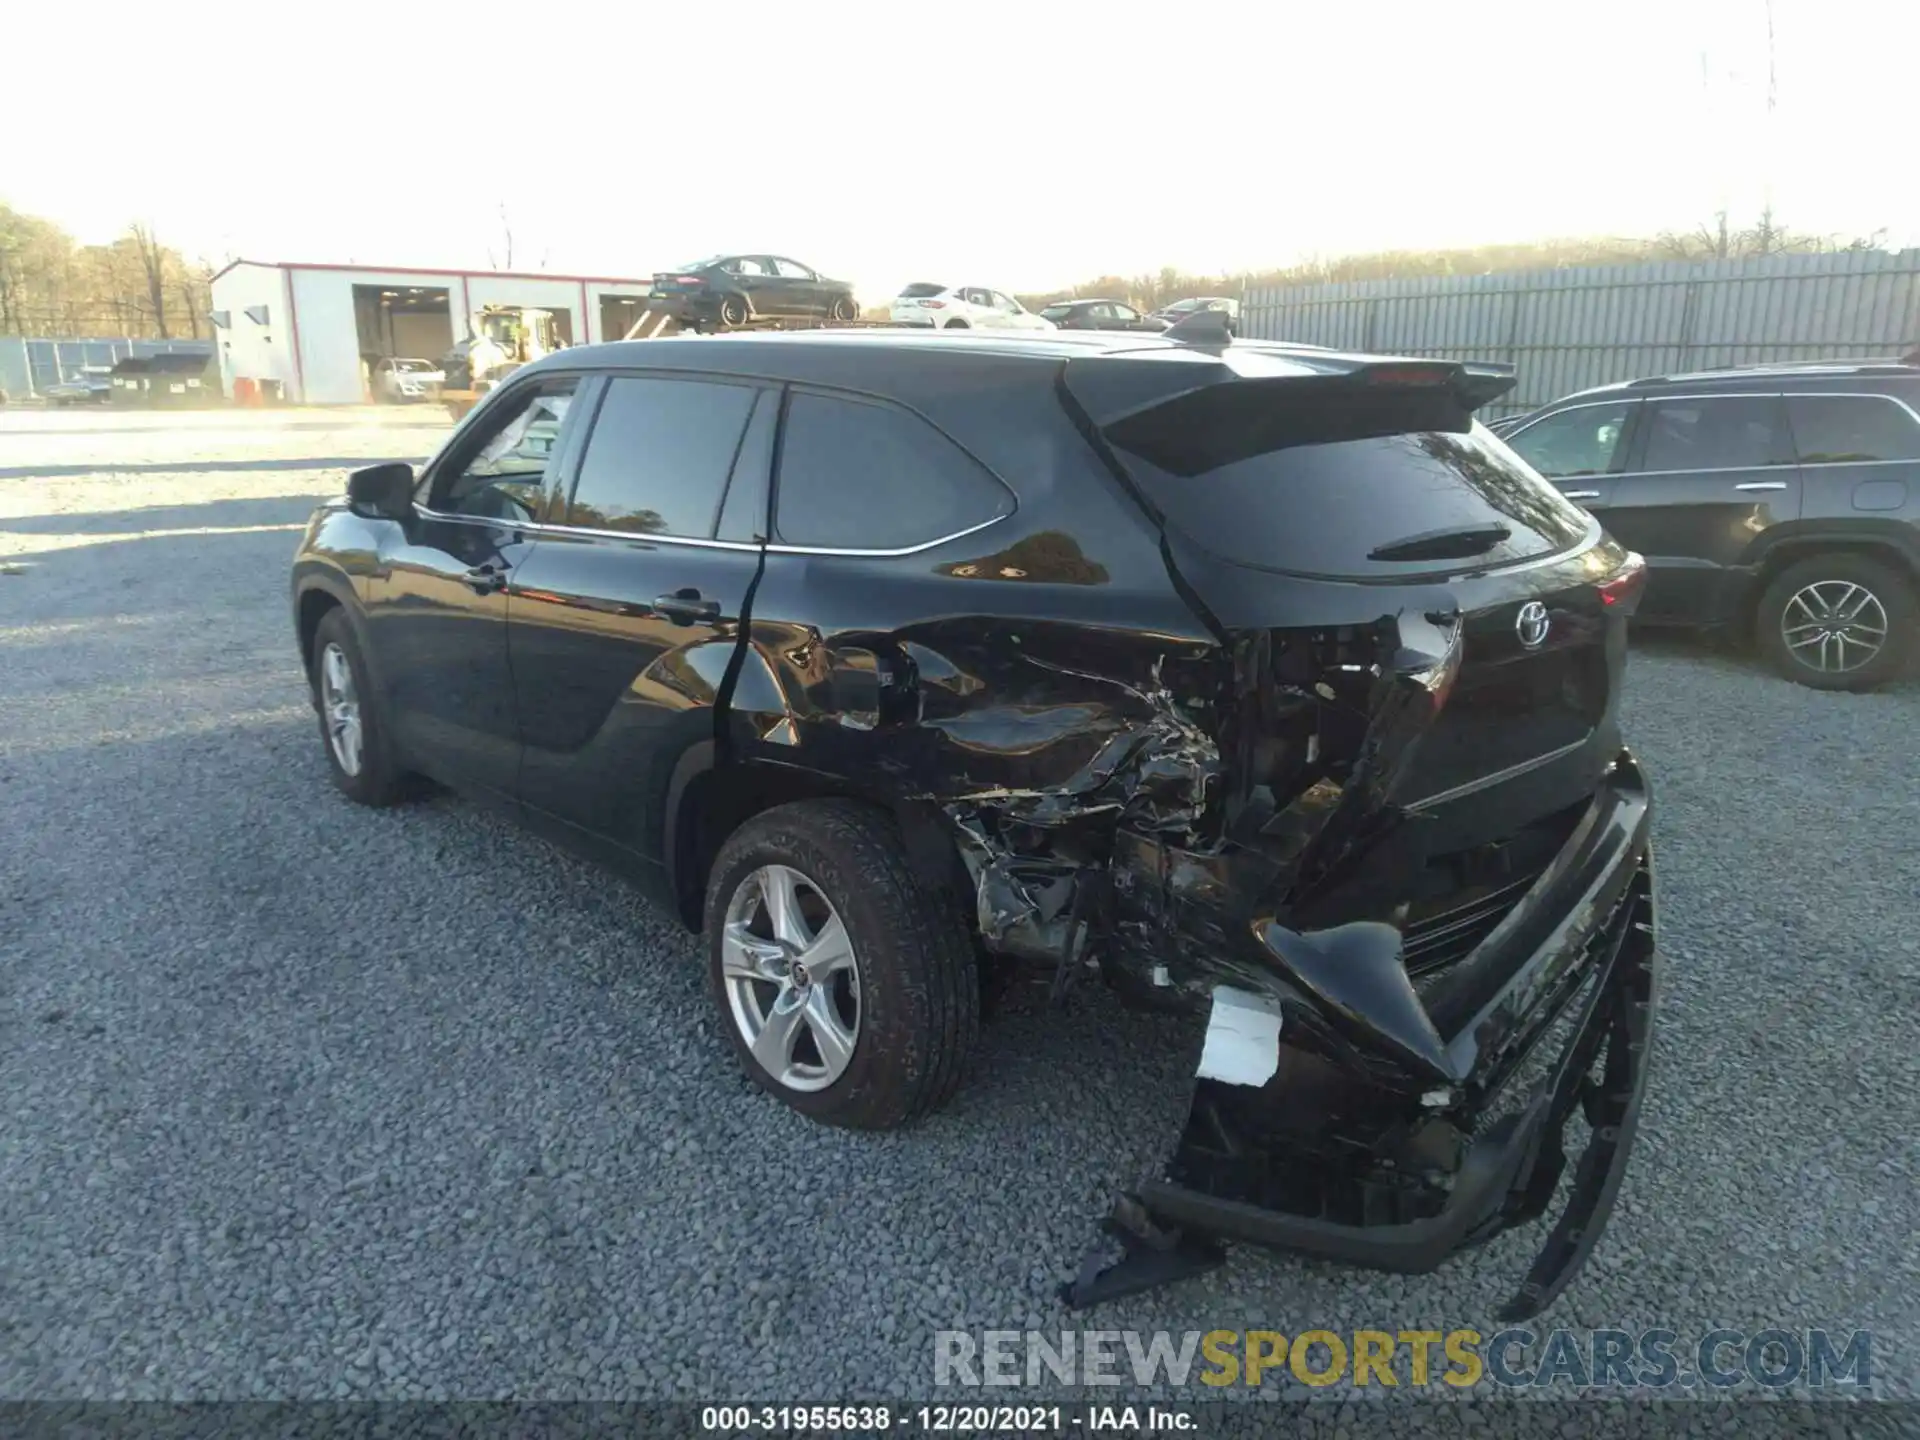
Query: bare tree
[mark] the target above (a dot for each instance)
(153, 263)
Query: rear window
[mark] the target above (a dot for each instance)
(1325, 509)
(1054, 312)
(920, 290)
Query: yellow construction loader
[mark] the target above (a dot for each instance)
(500, 339)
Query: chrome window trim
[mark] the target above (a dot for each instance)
(544, 528)
(1499, 777)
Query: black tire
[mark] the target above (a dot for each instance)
(1891, 592)
(379, 781)
(957, 325)
(919, 987)
(843, 310)
(733, 311)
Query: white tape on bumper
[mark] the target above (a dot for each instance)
(1243, 1038)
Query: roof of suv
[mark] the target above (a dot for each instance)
(800, 355)
(1761, 377)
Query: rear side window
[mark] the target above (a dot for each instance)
(1580, 441)
(1733, 432)
(855, 475)
(658, 458)
(1326, 509)
(1836, 429)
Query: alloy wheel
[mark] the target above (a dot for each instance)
(340, 702)
(792, 979)
(1834, 626)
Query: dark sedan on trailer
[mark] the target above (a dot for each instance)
(1100, 315)
(1256, 681)
(738, 292)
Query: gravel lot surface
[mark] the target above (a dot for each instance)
(302, 1100)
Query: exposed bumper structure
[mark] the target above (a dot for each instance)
(1426, 1164)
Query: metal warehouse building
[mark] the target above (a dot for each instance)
(312, 333)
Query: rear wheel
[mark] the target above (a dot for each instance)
(733, 311)
(846, 986)
(843, 310)
(957, 325)
(1838, 622)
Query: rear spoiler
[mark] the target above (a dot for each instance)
(1228, 416)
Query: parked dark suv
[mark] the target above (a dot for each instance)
(1783, 499)
(1241, 677)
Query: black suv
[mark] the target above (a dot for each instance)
(737, 292)
(1781, 500)
(1241, 677)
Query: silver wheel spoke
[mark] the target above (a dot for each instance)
(830, 1037)
(783, 906)
(745, 956)
(773, 1046)
(1843, 628)
(830, 951)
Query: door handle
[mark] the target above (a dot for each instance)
(1762, 485)
(486, 579)
(1581, 494)
(685, 607)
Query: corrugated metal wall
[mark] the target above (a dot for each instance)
(1567, 329)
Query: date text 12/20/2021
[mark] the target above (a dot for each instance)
(945, 1419)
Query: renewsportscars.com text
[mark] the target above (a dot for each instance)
(1656, 1359)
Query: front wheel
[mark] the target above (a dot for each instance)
(846, 986)
(1838, 622)
(352, 726)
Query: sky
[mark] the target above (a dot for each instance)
(1020, 146)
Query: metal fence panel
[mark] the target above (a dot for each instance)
(1565, 330)
(28, 366)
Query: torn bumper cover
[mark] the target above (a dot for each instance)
(1395, 1146)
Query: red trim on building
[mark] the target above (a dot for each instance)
(462, 274)
(293, 327)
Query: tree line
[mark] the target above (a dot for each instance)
(1719, 238)
(136, 288)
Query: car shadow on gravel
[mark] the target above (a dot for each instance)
(136, 522)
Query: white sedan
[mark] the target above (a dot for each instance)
(962, 307)
(396, 381)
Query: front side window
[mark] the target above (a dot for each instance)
(855, 475)
(1007, 303)
(791, 269)
(658, 457)
(1842, 429)
(1580, 441)
(1125, 312)
(506, 477)
(1731, 432)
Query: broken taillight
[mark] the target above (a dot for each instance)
(1621, 590)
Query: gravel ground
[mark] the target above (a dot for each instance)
(303, 1100)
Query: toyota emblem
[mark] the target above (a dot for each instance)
(1532, 624)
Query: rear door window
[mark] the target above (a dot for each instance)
(1715, 432)
(859, 475)
(659, 455)
(1326, 509)
(1580, 441)
(1850, 429)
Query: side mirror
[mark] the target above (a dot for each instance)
(382, 492)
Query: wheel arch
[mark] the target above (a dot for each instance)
(707, 800)
(315, 597)
(1897, 542)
